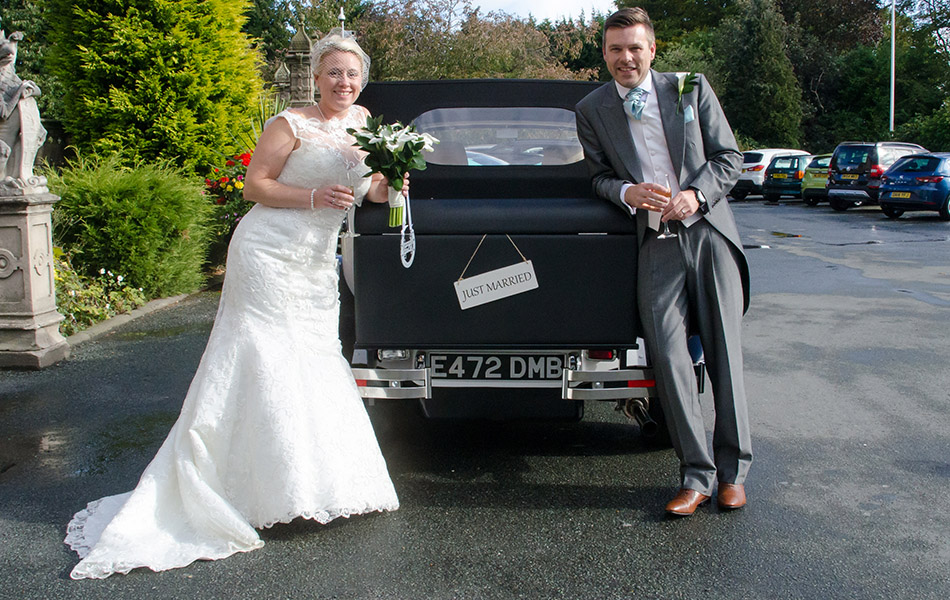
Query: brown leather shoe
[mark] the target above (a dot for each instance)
(731, 495)
(686, 502)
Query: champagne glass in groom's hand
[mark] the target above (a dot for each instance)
(665, 233)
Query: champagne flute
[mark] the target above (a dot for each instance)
(665, 233)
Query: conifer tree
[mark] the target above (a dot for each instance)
(154, 79)
(761, 96)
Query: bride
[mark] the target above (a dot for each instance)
(272, 427)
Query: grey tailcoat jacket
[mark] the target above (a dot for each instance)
(702, 148)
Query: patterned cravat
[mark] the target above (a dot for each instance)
(636, 100)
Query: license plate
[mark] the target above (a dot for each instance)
(849, 176)
(779, 176)
(900, 194)
(487, 367)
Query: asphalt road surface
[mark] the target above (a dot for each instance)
(846, 345)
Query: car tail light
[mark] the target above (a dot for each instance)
(641, 383)
(600, 354)
(756, 168)
(799, 174)
(930, 179)
(876, 171)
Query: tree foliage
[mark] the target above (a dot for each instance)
(448, 39)
(28, 16)
(761, 96)
(158, 79)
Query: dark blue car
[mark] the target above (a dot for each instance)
(917, 182)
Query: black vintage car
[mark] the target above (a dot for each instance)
(506, 185)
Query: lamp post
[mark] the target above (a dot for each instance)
(893, 54)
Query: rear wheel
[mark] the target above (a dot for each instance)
(891, 213)
(772, 197)
(811, 200)
(944, 209)
(840, 205)
(739, 195)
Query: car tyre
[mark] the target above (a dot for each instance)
(811, 201)
(839, 205)
(944, 210)
(891, 213)
(739, 195)
(772, 197)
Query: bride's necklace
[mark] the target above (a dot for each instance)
(323, 116)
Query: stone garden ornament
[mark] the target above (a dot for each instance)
(21, 132)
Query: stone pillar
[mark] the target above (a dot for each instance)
(298, 63)
(29, 322)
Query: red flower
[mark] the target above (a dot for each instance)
(245, 158)
(224, 179)
(229, 163)
(221, 200)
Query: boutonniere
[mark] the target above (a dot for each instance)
(685, 82)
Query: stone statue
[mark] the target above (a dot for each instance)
(29, 322)
(21, 132)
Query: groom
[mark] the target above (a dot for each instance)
(637, 130)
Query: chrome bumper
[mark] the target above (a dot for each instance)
(618, 384)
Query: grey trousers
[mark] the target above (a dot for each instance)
(691, 283)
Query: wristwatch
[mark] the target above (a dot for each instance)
(703, 205)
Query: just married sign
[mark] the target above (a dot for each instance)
(495, 285)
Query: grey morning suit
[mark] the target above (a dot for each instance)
(697, 282)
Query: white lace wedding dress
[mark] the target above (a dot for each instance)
(272, 427)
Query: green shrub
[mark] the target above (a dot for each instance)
(146, 221)
(85, 301)
(163, 79)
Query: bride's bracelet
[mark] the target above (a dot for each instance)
(312, 192)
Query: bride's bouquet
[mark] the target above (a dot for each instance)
(393, 150)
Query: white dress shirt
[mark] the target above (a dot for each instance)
(649, 141)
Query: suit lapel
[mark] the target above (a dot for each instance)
(615, 122)
(673, 122)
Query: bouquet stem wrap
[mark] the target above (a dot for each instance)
(396, 205)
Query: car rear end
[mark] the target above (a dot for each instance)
(815, 181)
(784, 175)
(853, 175)
(917, 182)
(540, 353)
(752, 176)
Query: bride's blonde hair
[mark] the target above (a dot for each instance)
(337, 41)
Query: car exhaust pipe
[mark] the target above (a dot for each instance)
(638, 409)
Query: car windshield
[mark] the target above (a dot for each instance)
(852, 156)
(752, 157)
(493, 137)
(821, 162)
(785, 162)
(916, 164)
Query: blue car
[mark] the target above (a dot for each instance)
(917, 182)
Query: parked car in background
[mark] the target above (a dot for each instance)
(754, 163)
(854, 175)
(815, 182)
(917, 182)
(783, 176)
